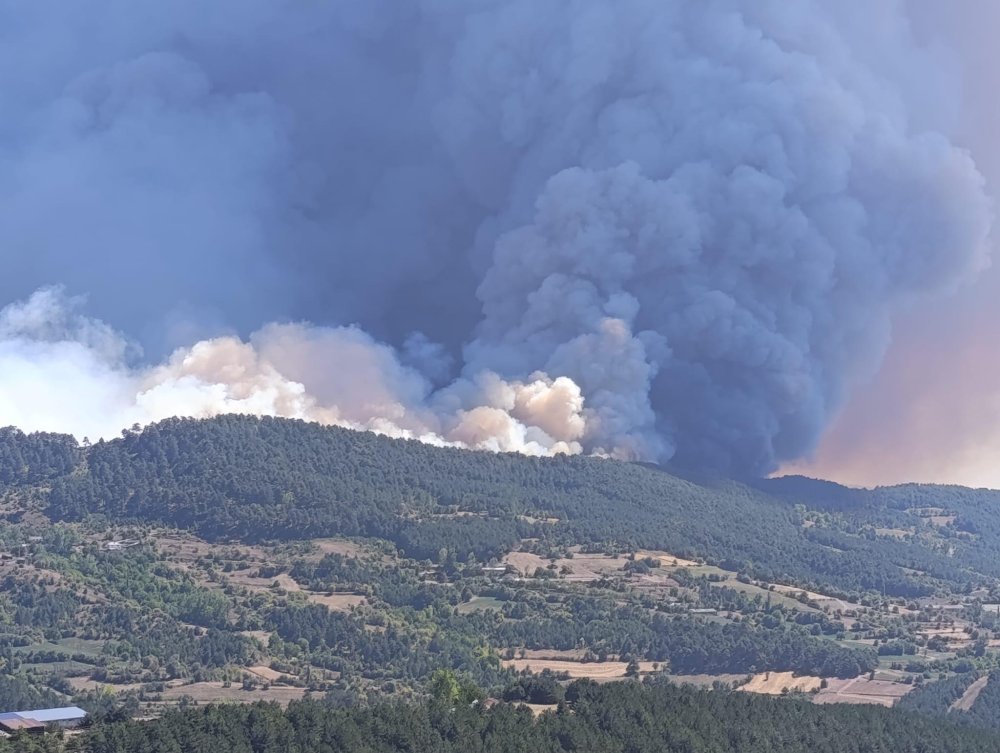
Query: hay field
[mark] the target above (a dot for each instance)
(774, 683)
(607, 670)
(970, 695)
(337, 602)
(207, 692)
(862, 690)
(525, 562)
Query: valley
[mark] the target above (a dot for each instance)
(143, 575)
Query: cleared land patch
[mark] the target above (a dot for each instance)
(705, 681)
(970, 695)
(862, 690)
(338, 546)
(271, 675)
(776, 683)
(776, 597)
(207, 692)
(284, 580)
(525, 562)
(584, 568)
(557, 654)
(598, 670)
(666, 559)
(337, 602)
(85, 683)
(895, 533)
(479, 603)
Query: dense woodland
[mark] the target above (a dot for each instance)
(425, 523)
(615, 718)
(985, 712)
(936, 698)
(246, 478)
(31, 458)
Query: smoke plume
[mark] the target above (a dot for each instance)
(644, 228)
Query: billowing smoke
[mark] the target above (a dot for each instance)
(62, 369)
(644, 228)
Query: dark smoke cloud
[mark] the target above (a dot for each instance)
(933, 412)
(648, 228)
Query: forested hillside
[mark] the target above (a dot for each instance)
(31, 458)
(606, 719)
(241, 559)
(251, 479)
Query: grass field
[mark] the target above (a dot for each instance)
(607, 670)
(776, 683)
(266, 673)
(970, 695)
(66, 646)
(479, 603)
(775, 596)
(62, 667)
(584, 568)
(284, 581)
(525, 562)
(85, 683)
(862, 690)
(338, 546)
(705, 681)
(208, 692)
(337, 602)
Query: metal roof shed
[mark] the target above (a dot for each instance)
(65, 714)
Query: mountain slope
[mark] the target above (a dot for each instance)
(246, 478)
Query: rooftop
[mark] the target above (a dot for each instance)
(67, 713)
(18, 723)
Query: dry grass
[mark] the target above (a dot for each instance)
(794, 591)
(654, 581)
(338, 546)
(284, 580)
(896, 533)
(705, 681)
(863, 690)
(569, 654)
(826, 603)
(666, 559)
(774, 683)
(264, 636)
(208, 692)
(525, 562)
(85, 683)
(337, 602)
(182, 548)
(584, 568)
(607, 670)
(271, 675)
(970, 695)
(532, 519)
(955, 637)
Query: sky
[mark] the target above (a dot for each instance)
(745, 237)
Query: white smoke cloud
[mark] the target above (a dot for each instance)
(642, 228)
(61, 371)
